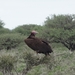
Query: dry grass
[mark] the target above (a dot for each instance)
(61, 62)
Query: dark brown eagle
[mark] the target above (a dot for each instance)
(38, 45)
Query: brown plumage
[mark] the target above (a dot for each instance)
(38, 45)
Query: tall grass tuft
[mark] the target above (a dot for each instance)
(7, 64)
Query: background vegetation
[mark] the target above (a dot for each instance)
(16, 58)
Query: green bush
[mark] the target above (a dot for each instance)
(7, 63)
(8, 41)
(4, 30)
(31, 61)
(26, 29)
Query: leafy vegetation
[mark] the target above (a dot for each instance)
(8, 41)
(7, 63)
(16, 58)
(61, 29)
(26, 29)
(1, 24)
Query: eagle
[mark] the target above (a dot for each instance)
(37, 44)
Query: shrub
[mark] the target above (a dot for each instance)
(8, 41)
(7, 63)
(32, 61)
(4, 30)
